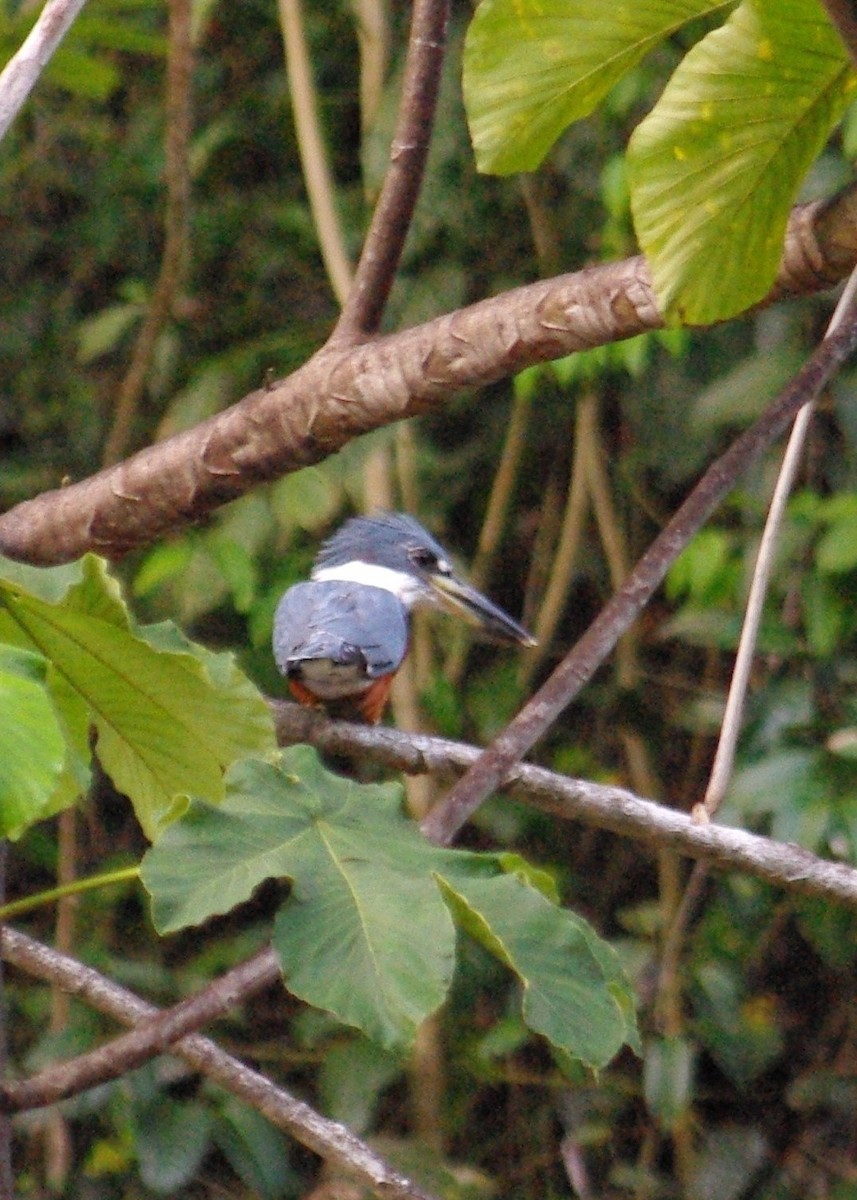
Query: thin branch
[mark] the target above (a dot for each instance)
(724, 758)
(24, 68)
(616, 809)
(496, 512)
(149, 1038)
(313, 152)
(373, 39)
(561, 575)
(327, 1138)
(343, 392)
(394, 211)
(579, 665)
(179, 85)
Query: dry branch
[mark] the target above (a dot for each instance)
(612, 808)
(617, 615)
(23, 69)
(345, 391)
(327, 1138)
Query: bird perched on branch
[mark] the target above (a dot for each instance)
(340, 638)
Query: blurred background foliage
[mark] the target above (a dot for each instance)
(749, 1083)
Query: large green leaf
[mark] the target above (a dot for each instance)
(50, 583)
(567, 992)
(32, 747)
(531, 67)
(715, 167)
(169, 716)
(360, 936)
(365, 933)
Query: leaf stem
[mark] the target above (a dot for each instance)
(16, 907)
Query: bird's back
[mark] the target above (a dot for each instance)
(335, 638)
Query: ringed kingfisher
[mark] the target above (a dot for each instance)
(340, 638)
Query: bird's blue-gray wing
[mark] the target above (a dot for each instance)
(346, 624)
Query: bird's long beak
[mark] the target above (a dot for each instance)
(460, 598)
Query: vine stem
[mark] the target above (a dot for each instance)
(17, 908)
(724, 759)
(314, 157)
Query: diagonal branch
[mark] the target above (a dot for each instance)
(616, 809)
(391, 220)
(343, 392)
(327, 1138)
(582, 661)
(149, 1039)
(23, 69)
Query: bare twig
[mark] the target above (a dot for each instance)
(612, 808)
(351, 390)
(591, 650)
(496, 511)
(326, 1138)
(373, 38)
(391, 220)
(314, 157)
(179, 85)
(24, 68)
(561, 575)
(149, 1038)
(721, 771)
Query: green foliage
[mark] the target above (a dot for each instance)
(716, 165)
(169, 716)
(531, 68)
(763, 978)
(365, 933)
(32, 747)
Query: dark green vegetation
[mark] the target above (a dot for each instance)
(747, 1085)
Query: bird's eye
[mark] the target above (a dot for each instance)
(423, 558)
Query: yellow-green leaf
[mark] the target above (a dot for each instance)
(715, 167)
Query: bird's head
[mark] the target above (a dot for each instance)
(394, 552)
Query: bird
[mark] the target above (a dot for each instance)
(340, 637)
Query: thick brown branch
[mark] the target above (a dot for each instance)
(343, 392)
(361, 314)
(591, 650)
(326, 1138)
(612, 808)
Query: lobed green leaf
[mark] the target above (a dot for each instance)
(365, 933)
